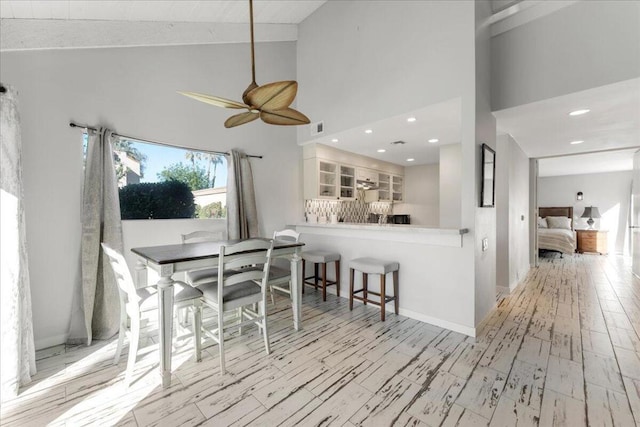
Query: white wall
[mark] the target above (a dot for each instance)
(512, 213)
(421, 195)
(483, 126)
(610, 192)
(582, 46)
(133, 90)
(363, 61)
(451, 186)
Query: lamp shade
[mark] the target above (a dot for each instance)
(591, 212)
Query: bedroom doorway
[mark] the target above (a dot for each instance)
(603, 188)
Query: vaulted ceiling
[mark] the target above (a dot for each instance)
(542, 129)
(237, 11)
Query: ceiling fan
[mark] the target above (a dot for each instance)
(269, 102)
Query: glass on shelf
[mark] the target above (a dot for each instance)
(346, 192)
(346, 181)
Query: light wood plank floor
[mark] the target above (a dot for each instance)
(563, 349)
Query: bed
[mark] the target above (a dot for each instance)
(555, 230)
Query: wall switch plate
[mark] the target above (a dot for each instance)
(485, 244)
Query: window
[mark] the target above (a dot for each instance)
(147, 175)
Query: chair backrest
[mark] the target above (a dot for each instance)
(242, 254)
(202, 236)
(126, 288)
(286, 235)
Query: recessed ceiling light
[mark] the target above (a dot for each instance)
(576, 142)
(411, 119)
(579, 112)
(411, 160)
(433, 140)
(334, 140)
(382, 150)
(368, 131)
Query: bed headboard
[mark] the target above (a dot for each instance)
(560, 211)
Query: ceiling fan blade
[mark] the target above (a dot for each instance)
(273, 96)
(286, 117)
(240, 119)
(215, 100)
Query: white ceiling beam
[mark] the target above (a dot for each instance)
(524, 12)
(28, 34)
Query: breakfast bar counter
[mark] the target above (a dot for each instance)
(433, 286)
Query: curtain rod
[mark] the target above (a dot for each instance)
(75, 125)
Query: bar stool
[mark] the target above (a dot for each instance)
(374, 266)
(321, 257)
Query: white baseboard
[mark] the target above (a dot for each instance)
(504, 289)
(484, 322)
(466, 330)
(50, 341)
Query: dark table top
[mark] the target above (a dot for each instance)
(168, 254)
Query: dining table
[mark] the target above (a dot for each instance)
(168, 260)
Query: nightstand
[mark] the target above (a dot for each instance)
(592, 241)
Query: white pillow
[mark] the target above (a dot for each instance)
(542, 222)
(559, 222)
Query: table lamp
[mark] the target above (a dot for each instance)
(590, 212)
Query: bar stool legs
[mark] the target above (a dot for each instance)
(322, 281)
(383, 295)
(352, 273)
(396, 301)
(365, 285)
(374, 266)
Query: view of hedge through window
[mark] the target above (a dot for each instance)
(160, 182)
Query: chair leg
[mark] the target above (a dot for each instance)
(337, 265)
(183, 318)
(351, 274)
(383, 295)
(303, 274)
(221, 339)
(315, 275)
(240, 319)
(264, 327)
(133, 348)
(121, 334)
(365, 280)
(273, 300)
(324, 281)
(395, 291)
(197, 329)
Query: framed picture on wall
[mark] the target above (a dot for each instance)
(488, 193)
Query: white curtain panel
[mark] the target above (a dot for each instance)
(96, 307)
(17, 351)
(242, 216)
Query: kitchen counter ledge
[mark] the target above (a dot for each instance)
(392, 232)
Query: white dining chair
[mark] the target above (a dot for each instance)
(280, 271)
(205, 275)
(134, 302)
(237, 291)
